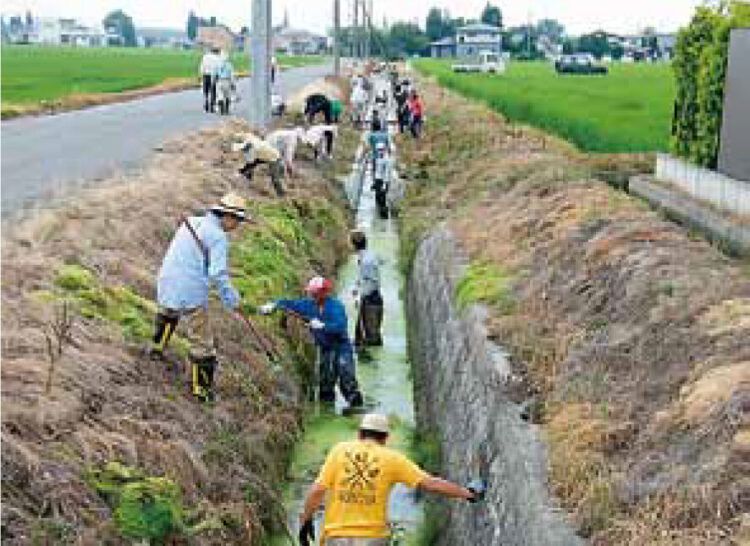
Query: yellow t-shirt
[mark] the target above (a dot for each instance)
(359, 476)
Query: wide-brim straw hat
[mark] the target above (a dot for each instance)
(232, 204)
(376, 422)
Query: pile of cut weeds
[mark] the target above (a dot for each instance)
(631, 334)
(100, 445)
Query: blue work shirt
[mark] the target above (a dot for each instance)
(184, 280)
(334, 334)
(377, 137)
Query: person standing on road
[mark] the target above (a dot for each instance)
(224, 83)
(367, 290)
(195, 260)
(326, 318)
(209, 65)
(357, 477)
(416, 109)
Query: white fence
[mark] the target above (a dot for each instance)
(704, 184)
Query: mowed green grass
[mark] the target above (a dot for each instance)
(34, 73)
(628, 110)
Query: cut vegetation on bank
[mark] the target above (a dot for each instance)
(38, 79)
(101, 445)
(629, 337)
(629, 110)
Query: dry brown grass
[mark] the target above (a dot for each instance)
(106, 401)
(634, 333)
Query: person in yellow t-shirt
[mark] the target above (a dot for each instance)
(358, 477)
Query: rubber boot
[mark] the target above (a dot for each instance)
(203, 378)
(164, 327)
(276, 179)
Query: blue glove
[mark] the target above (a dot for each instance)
(479, 488)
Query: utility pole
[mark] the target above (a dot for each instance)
(260, 101)
(355, 30)
(337, 38)
(368, 26)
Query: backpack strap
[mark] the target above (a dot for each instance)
(198, 241)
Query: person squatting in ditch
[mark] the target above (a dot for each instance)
(327, 320)
(367, 289)
(257, 152)
(196, 260)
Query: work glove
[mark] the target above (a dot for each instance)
(479, 488)
(307, 533)
(267, 309)
(316, 324)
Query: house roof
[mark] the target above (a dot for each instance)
(449, 41)
(479, 27)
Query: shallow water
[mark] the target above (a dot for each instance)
(384, 376)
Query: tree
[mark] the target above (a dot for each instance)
(407, 38)
(491, 15)
(192, 26)
(434, 24)
(597, 44)
(552, 29)
(123, 25)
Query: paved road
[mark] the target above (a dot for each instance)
(47, 155)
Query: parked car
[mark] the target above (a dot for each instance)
(580, 63)
(487, 62)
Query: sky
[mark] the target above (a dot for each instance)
(578, 16)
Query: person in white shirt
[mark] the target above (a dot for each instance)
(320, 138)
(224, 83)
(367, 289)
(285, 141)
(209, 66)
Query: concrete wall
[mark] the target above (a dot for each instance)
(734, 153)
(715, 224)
(718, 189)
(461, 393)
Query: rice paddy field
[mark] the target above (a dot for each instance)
(33, 74)
(628, 110)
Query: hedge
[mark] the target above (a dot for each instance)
(700, 63)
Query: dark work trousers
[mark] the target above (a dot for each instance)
(337, 366)
(369, 320)
(403, 118)
(416, 126)
(381, 197)
(209, 92)
(276, 171)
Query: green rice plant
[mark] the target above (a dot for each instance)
(43, 74)
(628, 110)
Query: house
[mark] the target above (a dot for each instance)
(476, 37)
(218, 36)
(65, 31)
(443, 48)
(469, 41)
(298, 42)
(162, 37)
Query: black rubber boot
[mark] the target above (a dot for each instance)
(164, 327)
(203, 378)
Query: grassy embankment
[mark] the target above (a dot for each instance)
(631, 334)
(38, 79)
(102, 445)
(628, 110)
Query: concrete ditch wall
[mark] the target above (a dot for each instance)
(716, 225)
(462, 394)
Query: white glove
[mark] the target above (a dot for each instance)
(267, 309)
(316, 324)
